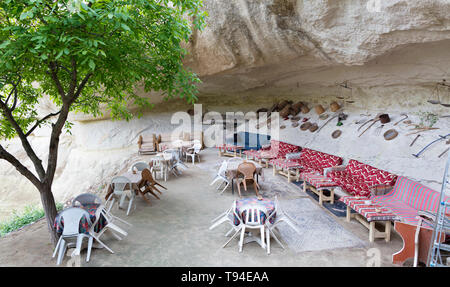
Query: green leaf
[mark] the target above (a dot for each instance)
(125, 27)
(4, 44)
(59, 54)
(92, 64)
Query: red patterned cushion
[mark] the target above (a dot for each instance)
(357, 178)
(407, 197)
(349, 183)
(317, 180)
(369, 174)
(283, 163)
(316, 161)
(278, 149)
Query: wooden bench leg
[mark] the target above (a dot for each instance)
(349, 211)
(297, 174)
(321, 197)
(289, 175)
(387, 230)
(332, 195)
(304, 186)
(372, 231)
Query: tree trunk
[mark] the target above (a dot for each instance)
(48, 203)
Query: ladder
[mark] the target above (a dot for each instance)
(441, 224)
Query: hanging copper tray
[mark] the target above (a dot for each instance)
(305, 126)
(390, 134)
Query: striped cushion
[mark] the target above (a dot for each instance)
(408, 197)
(318, 180)
(284, 163)
(277, 149)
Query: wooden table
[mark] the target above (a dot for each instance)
(318, 183)
(135, 179)
(230, 150)
(287, 168)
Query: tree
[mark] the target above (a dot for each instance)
(86, 56)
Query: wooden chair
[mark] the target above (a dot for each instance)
(149, 183)
(248, 170)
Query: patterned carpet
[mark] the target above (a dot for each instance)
(319, 230)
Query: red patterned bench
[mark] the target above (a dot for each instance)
(277, 150)
(407, 198)
(369, 212)
(358, 178)
(405, 201)
(311, 161)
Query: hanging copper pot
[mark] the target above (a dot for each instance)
(334, 107)
(305, 109)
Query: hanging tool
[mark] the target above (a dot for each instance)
(378, 129)
(421, 130)
(444, 152)
(335, 115)
(371, 120)
(369, 127)
(428, 145)
(414, 140)
(405, 117)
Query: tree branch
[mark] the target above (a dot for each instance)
(20, 167)
(54, 74)
(73, 82)
(81, 86)
(54, 144)
(41, 121)
(25, 143)
(57, 128)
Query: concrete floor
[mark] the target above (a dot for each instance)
(174, 231)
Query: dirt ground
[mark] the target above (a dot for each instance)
(174, 231)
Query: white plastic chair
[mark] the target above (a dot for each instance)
(110, 225)
(252, 221)
(119, 184)
(221, 175)
(140, 166)
(159, 167)
(72, 217)
(176, 162)
(86, 198)
(227, 216)
(280, 216)
(194, 152)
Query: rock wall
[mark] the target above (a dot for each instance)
(254, 53)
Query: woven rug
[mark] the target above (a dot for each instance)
(319, 230)
(338, 208)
